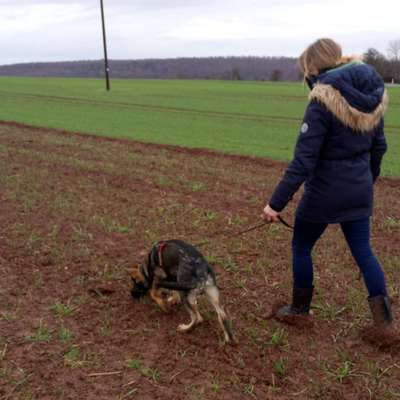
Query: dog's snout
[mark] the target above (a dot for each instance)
(138, 290)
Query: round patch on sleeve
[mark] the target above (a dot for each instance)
(304, 128)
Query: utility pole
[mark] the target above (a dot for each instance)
(106, 68)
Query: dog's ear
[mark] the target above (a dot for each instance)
(160, 273)
(137, 274)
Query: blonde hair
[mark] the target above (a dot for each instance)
(322, 54)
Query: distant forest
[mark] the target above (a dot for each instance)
(226, 68)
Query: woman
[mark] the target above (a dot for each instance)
(338, 155)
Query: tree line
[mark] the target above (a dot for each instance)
(225, 68)
(387, 66)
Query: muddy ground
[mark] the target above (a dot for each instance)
(76, 211)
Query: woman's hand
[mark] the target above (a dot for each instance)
(270, 215)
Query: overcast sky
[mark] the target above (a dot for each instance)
(45, 30)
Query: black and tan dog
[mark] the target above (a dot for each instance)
(182, 270)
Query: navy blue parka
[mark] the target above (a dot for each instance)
(340, 147)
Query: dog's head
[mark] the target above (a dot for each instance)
(140, 280)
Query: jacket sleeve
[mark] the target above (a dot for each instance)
(311, 138)
(378, 149)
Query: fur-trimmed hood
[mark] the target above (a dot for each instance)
(354, 93)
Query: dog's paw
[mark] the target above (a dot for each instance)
(172, 301)
(184, 327)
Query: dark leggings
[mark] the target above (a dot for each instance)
(357, 234)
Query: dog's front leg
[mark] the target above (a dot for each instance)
(174, 299)
(155, 294)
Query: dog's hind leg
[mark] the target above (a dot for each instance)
(190, 302)
(212, 293)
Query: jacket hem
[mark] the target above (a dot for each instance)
(336, 220)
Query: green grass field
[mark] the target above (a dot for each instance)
(251, 118)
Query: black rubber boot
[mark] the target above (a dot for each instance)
(301, 301)
(381, 310)
(382, 333)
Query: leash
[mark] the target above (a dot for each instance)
(260, 225)
(242, 232)
(162, 244)
(285, 223)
